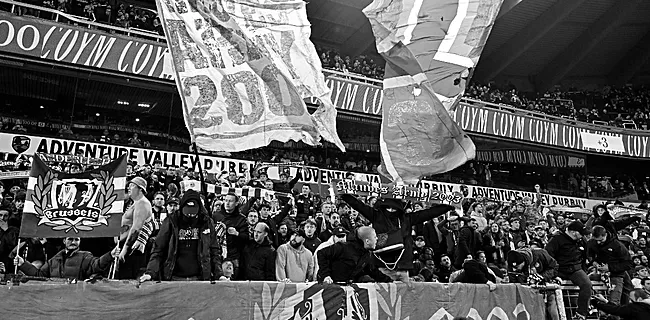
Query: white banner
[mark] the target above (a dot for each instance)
(242, 70)
(28, 145)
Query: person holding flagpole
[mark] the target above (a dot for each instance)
(132, 255)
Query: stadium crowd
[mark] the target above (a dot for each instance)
(279, 237)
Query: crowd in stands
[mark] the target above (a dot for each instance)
(626, 107)
(116, 13)
(278, 238)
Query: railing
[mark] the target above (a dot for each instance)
(59, 16)
(558, 119)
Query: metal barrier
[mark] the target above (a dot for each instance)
(570, 298)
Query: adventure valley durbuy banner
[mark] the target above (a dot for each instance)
(430, 48)
(243, 69)
(85, 204)
(273, 301)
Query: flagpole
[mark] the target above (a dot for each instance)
(18, 255)
(204, 187)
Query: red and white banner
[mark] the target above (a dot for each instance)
(243, 69)
(430, 48)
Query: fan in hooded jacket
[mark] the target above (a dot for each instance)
(526, 261)
(188, 246)
(388, 214)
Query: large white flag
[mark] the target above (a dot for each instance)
(243, 69)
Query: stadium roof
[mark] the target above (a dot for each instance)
(535, 44)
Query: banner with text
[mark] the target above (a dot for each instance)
(528, 157)
(40, 38)
(477, 118)
(20, 148)
(274, 301)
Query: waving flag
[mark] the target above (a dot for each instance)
(85, 204)
(243, 68)
(430, 48)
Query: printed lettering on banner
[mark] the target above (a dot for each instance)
(517, 125)
(81, 46)
(140, 156)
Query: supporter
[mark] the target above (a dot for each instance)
(258, 257)
(469, 242)
(134, 219)
(237, 232)
(283, 233)
(305, 204)
(347, 262)
(311, 240)
(339, 235)
(252, 219)
(568, 249)
(294, 262)
(8, 238)
(273, 221)
(639, 309)
(69, 263)
(477, 272)
(332, 223)
(611, 256)
(446, 269)
(188, 246)
(388, 217)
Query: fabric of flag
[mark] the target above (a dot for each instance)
(430, 48)
(85, 204)
(243, 69)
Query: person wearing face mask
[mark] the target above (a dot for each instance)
(70, 263)
(568, 249)
(294, 263)
(188, 246)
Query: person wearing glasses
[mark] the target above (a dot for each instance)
(70, 263)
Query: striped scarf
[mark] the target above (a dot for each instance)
(145, 233)
(245, 192)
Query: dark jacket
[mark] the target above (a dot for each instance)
(163, 255)
(632, 311)
(287, 186)
(347, 262)
(382, 220)
(476, 272)
(237, 220)
(541, 260)
(568, 253)
(613, 253)
(274, 222)
(79, 265)
(467, 244)
(312, 243)
(258, 261)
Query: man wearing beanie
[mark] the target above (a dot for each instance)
(568, 249)
(388, 217)
(188, 246)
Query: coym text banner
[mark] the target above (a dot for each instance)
(50, 40)
(478, 118)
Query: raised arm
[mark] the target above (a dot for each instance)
(365, 210)
(421, 216)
